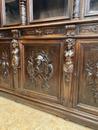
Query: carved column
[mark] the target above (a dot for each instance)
(23, 11)
(68, 67)
(15, 57)
(76, 9)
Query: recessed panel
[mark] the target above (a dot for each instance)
(94, 5)
(88, 80)
(49, 8)
(41, 68)
(12, 13)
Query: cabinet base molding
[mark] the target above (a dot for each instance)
(59, 110)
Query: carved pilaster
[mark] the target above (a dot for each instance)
(15, 60)
(69, 54)
(23, 11)
(15, 51)
(76, 9)
(68, 66)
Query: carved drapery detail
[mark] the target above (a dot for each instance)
(44, 31)
(92, 77)
(23, 11)
(39, 68)
(4, 65)
(15, 51)
(76, 9)
(69, 54)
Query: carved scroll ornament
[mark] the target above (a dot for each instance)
(39, 68)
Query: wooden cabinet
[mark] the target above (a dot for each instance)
(49, 56)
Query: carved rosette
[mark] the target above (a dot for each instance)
(69, 54)
(92, 77)
(39, 69)
(15, 51)
(4, 65)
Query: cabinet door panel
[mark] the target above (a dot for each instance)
(5, 68)
(41, 73)
(87, 84)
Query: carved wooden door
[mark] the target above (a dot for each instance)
(86, 87)
(5, 65)
(41, 69)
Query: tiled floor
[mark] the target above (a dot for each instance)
(15, 116)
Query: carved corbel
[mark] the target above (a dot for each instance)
(71, 30)
(15, 51)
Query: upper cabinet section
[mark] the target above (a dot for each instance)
(49, 9)
(91, 7)
(23, 12)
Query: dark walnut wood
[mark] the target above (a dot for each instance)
(49, 57)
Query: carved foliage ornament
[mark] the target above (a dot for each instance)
(4, 65)
(92, 77)
(69, 54)
(39, 68)
(44, 31)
